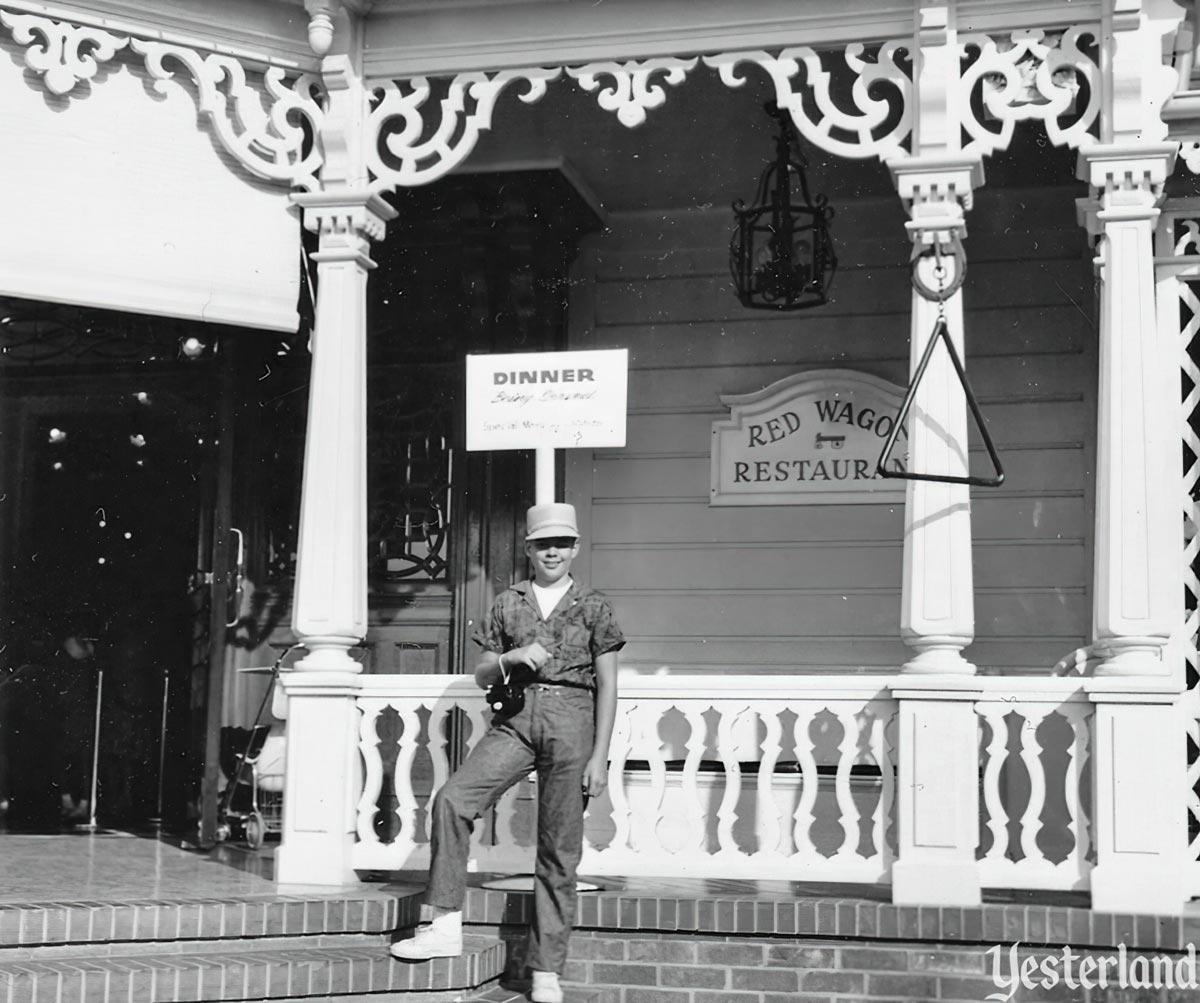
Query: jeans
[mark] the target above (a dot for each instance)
(553, 733)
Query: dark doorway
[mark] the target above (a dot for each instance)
(99, 605)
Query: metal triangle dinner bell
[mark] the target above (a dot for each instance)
(941, 333)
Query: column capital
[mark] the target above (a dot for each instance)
(937, 186)
(1126, 173)
(339, 212)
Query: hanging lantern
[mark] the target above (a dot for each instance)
(781, 255)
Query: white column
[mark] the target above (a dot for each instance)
(1139, 747)
(937, 618)
(1139, 823)
(1137, 586)
(937, 800)
(329, 613)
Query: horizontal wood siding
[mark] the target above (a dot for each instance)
(816, 588)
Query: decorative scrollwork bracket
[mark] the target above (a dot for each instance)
(402, 151)
(633, 91)
(1030, 76)
(878, 126)
(266, 137)
(68, 54)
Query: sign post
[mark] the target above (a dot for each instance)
(545, 401)
(543, 478)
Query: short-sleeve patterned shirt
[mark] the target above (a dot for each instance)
(579, 629)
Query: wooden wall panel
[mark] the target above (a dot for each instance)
(817, 588)
(871, 610)
(871, 291)
(1027, 377)
(830, 565)
(1045, 517)
(814, 653)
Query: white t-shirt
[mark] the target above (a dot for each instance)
(548, 597)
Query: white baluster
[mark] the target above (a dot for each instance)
(847, 753)
(887, 788)
(696, 810)
(368, 745)
(996, 752)
(727, 750)
(768, 814)
(1031, 756)
(406, 807)
(651, 748)
(474, 710)
(1078, 719)
(809, 779)
(618, 755)
(439, 753)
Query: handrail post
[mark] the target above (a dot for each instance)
(937, 800)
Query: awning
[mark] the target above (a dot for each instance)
(116, 196)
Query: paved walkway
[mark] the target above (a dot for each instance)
(107, 867)
(81, 866)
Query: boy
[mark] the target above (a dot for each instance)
(560, 640)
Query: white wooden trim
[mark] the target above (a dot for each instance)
(408, 38)
(208, 27)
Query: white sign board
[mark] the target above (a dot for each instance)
(560, 400)
(812, 438)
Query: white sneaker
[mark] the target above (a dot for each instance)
(546, 988)
(430, 943)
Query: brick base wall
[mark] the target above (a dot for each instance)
(633, 967)
(677, 968)
(748, 944)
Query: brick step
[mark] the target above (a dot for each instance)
(254, 971)
(498, 994)
(148, 948)
(488, 994)
(372, 910)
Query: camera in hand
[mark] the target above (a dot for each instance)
(506, 699)
(506, 696)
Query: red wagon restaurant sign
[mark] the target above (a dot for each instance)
(812, 438)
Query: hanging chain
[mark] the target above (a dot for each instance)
(939, 273)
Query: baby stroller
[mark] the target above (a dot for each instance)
(251, 804)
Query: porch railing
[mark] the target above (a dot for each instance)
(746, 776)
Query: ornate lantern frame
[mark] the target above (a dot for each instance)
(781, 255)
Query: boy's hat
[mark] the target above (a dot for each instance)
(552, 519)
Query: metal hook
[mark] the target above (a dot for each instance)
(956, 251)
